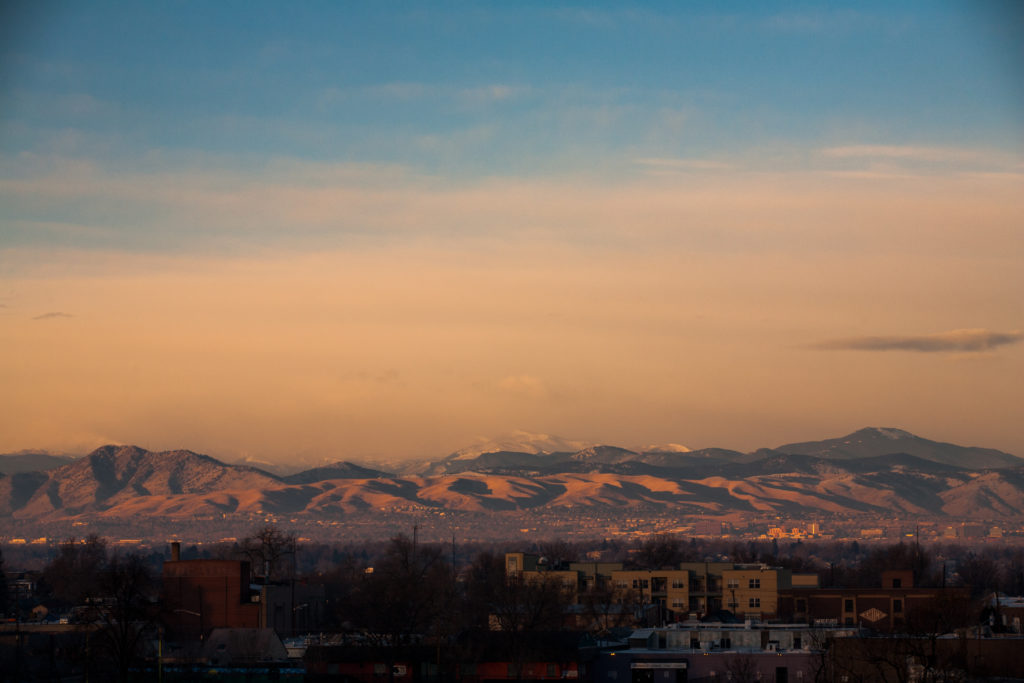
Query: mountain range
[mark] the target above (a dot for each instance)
(874, 470)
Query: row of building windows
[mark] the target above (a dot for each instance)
(752, 602)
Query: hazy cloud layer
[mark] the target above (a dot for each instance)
(957, 341)
(53, 314)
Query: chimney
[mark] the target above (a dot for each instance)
(175, 551)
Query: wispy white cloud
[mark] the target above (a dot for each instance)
(645, 203)
(496, 92)
(609, 18)
(831, 21)
(53, 314)
(672, 164)
(401, 90)
(962, 155)
(405, 91)
(873, 174)
(73, 104)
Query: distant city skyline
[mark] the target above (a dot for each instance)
(380, 231)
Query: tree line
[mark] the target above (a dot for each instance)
(402, 593)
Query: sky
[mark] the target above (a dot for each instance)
(301, 231)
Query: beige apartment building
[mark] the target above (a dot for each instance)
(531, 568)
(750, 591)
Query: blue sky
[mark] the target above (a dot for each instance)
(797, 154)
(525, 88)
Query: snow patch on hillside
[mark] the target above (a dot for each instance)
(519, 442)
(666, 448)
(892, 433)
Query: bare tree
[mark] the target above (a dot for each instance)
(530, 605)
(73, 576)
(558, 552)
(742, 669)
(660, 551)
(267, 549)
(126, 611)
(946, 613)
(3, 587)
(979, 573)
(522, 608)
(606, 608)
(404, 598)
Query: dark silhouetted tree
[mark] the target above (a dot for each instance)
(73, 576)
(400, 602)
(271, 552)
(978, 573)
(660, 551)
(126, 610)
(557, 552)
(4, 599)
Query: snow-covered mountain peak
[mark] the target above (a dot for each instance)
(519, 442)
(892, 433)
(666, 448)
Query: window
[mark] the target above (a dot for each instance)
(755, 583)
(640, 583)
(622, 584)
(694, 643)
(552, 670)
(797, 643)
(678, 583)
(755, 602)
(734, 583)
(726, 643)
(897, 605)
(848, 605)
(677, 603)
(801, 605)
(897, 583)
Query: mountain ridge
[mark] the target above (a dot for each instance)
(869, 440)
(127, 481)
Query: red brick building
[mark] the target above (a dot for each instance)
(887, 608)
(200, 595)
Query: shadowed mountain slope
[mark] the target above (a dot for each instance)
(127, 481)
(114, 474)
(338, 470)
(13, 463)
(873, 441)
